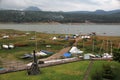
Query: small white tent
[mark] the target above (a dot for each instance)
(106, 55)
(85, 37)
(88, 56)
(5, 37)
(54, 38)
(75, 50)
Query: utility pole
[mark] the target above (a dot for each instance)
(107, 47)
(93, 44)
(101, 47)
(36, 41)
(111, 47)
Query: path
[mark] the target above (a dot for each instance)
(86, 75)
(76, 41)
(58, 55)
(61, 52)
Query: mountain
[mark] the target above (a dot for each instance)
(32, 8)
(35, 15)
(99, 12)
(79, 12)
(115, 11)
(106, 12)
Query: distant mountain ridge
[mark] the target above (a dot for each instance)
(32, 8)
(34, 14)
(97, 12)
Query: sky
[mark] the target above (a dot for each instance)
(61, 5)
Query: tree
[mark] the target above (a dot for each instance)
(97, 75)
(108, 72)
(116, 55)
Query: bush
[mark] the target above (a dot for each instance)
(97, 75)
(116, 55)
(106, 74)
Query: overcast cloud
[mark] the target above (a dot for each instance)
(61, 5)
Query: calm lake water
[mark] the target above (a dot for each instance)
(109, 29)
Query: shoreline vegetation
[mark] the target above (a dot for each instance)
(90, 23)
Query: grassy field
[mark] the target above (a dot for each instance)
(102, 44)
(43, 39)
(20, 38)
(71, 71)
(98, 66)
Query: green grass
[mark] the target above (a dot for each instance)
(71, 71)
(43, 39)
(98, 66)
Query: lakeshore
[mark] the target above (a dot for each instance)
(57, 23)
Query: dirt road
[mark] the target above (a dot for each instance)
(57, 55)
(61, 52)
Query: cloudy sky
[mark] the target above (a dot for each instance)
(61, 5)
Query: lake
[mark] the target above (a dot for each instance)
(100, 29)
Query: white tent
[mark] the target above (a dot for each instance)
(54, 38)
(75, 50)
(5, 37)
(106, 55)
(85, 37)
(88, 56)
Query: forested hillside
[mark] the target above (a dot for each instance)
(61, 17)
